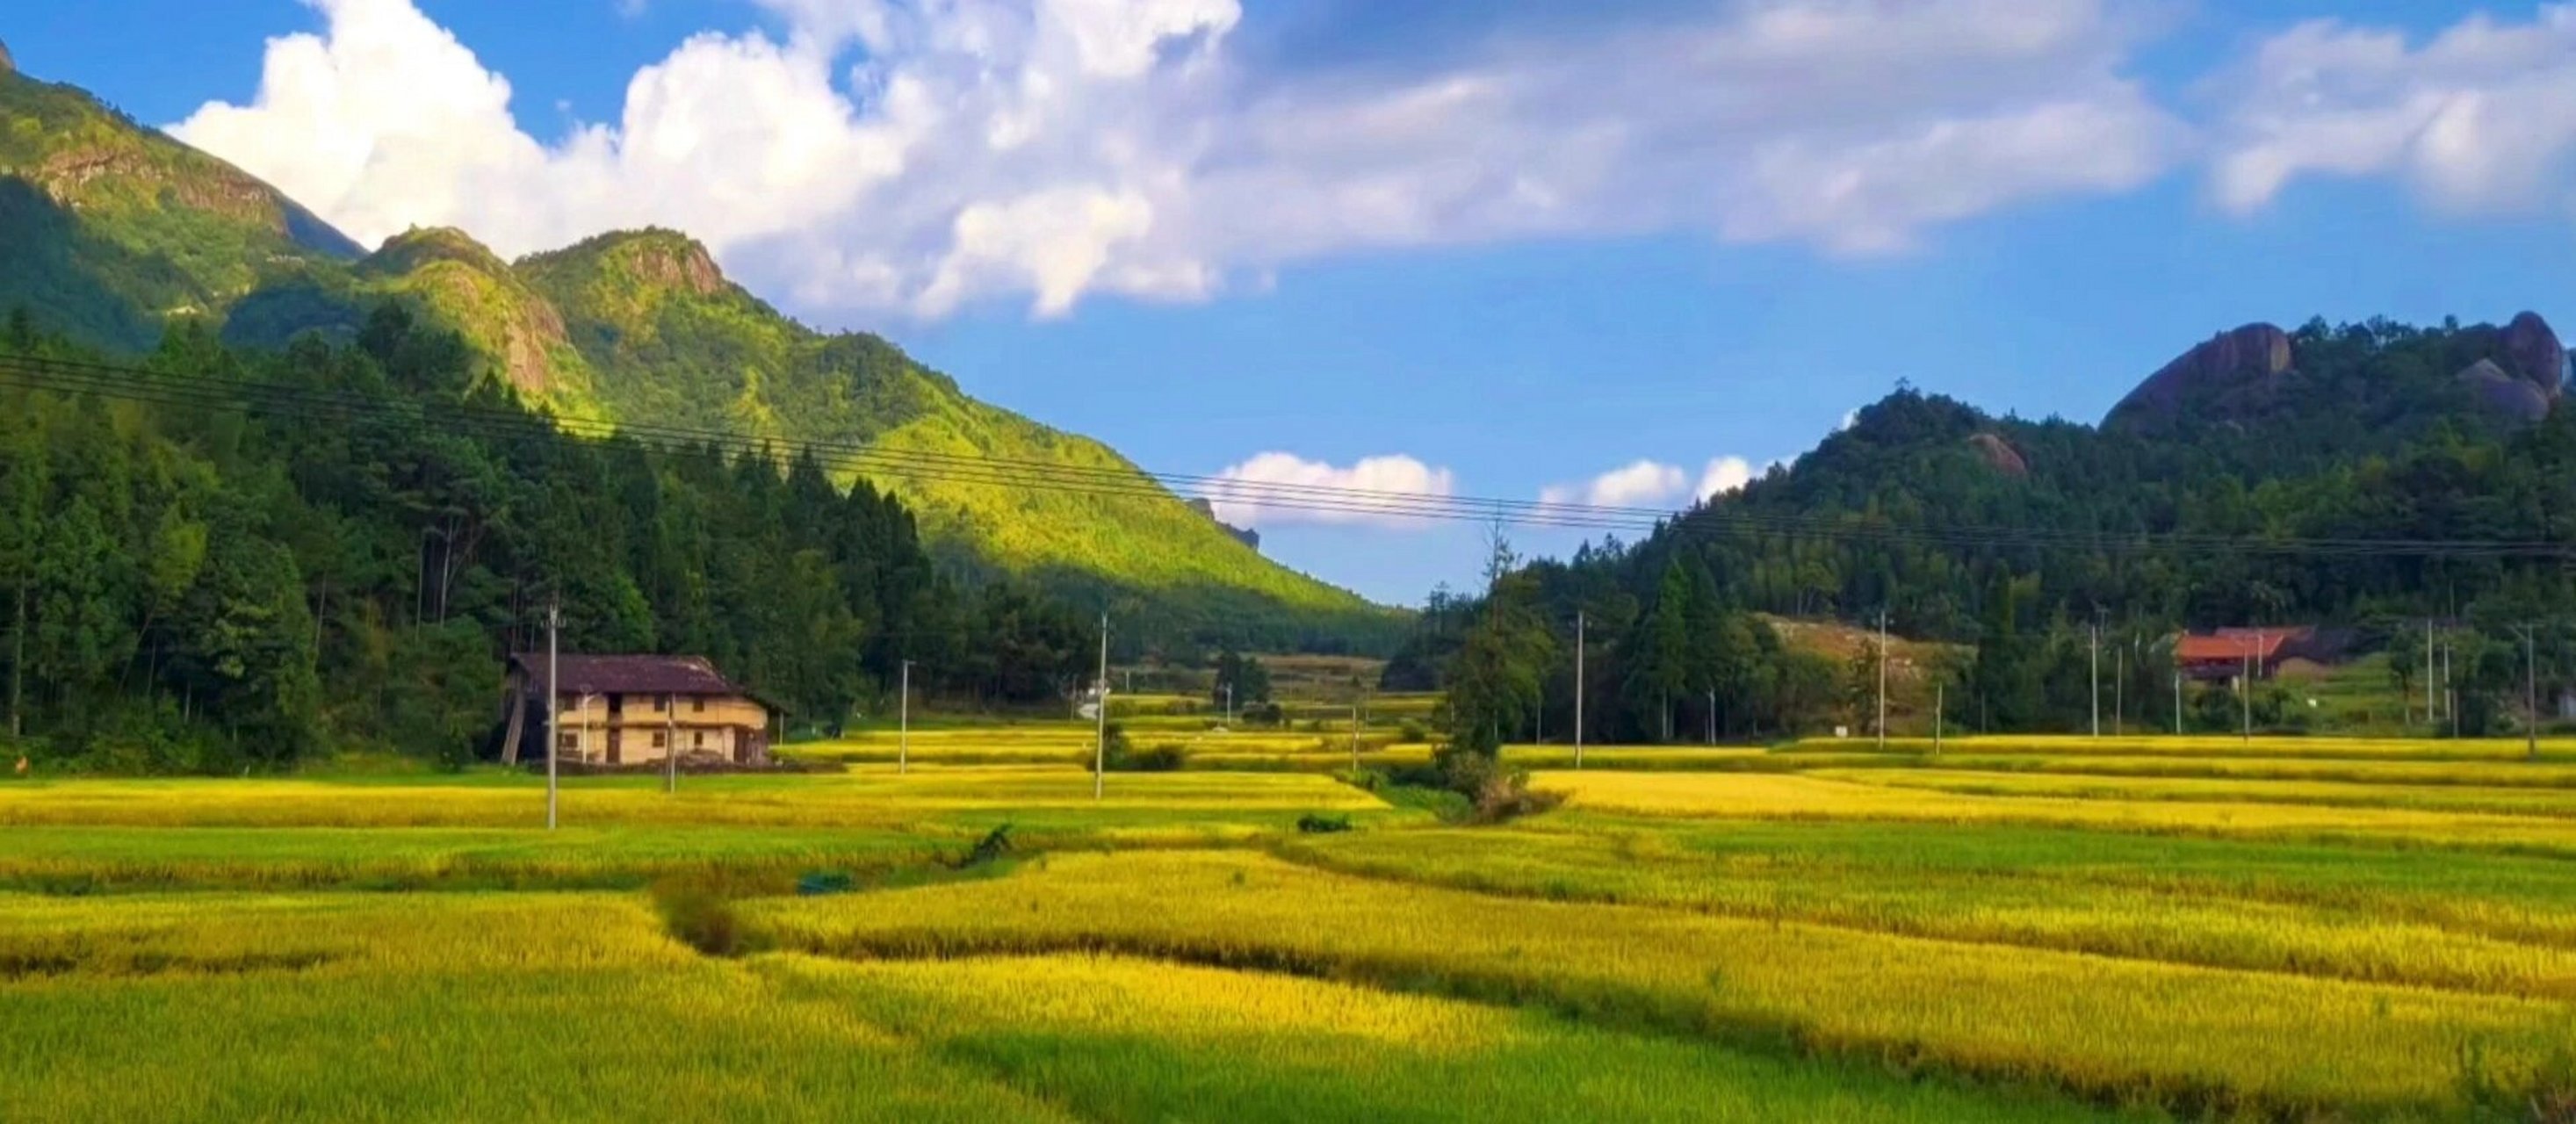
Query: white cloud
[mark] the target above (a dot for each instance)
(1643, 484)
(2480, 119)
(1275, 488)
(1724, 474)
(1650, 484)
(917, 155)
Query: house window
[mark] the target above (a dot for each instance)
(661, 703)
(697, 704)
(568, 741)
(697, 739)
(661, 740)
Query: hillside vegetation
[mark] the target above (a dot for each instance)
(111, 230)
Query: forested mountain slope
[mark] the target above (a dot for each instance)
(109, 230)
(2264, 478)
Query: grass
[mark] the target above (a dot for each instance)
(2500, 924)
(2532, 800)
(2019, 928)
(944, 801)
(566, 1007)
(1803, 797)
(2118, 1031)
(1124, 1039)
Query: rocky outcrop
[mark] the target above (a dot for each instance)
(2245, 363)
(1245, 535)
(673, 261)
(1999, 454)
(2501, 392)
(2533, 354)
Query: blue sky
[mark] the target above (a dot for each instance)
(1521, 244)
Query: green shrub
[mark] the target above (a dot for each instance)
(1317, 823)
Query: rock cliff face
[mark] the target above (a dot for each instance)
(1999, 454)
(2245, 363)
(2500, 391)
(1245, 535)
(2532, 353)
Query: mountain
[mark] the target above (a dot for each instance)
(110, 230)
(2262, 380)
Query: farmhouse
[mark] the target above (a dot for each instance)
(2225, 653)
(631, 709)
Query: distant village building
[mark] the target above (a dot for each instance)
(2226, 653)
(2229, 652)
(628, 709)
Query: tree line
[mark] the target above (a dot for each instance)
(205, 585)
(2081, 541)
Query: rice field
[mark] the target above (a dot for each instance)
(2014, 929)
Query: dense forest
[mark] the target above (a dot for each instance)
(2021, 539)
(201, 575)
(110, 228)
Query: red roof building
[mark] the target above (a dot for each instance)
(2228, 652)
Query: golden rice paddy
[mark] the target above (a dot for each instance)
(2017, 929)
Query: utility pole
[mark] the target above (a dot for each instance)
(554, 705)
(1229, 704)
(2096, 648)
(1882, 680)
(903, 724)
(2431, 717)
(1100, 751)
(671, 743)
(2450, 694)
(1578, 689)
(2530, 694)
(1940, 709)
(2245, 688)
(2120, 692)
(1712, 716)
(18, 665)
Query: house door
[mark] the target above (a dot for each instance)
(616, 746)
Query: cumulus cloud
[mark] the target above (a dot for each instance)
(1651, 484)
(2480, 119)
(1643, 484)
(919, 155)
(1723, 475)
(1274, 488)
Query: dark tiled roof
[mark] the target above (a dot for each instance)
(629, 675)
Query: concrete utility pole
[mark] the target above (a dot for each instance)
(1882, 680)
(1229, 704)
(554, 706)
(671, 743)
(903, 724)
(2432, 717)
(18, 666)
(2095, 646)
(1940, 710)
(1578, 689)
(2120, 692)
(2245, 691)
(1100, 752)
(2530, 693)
